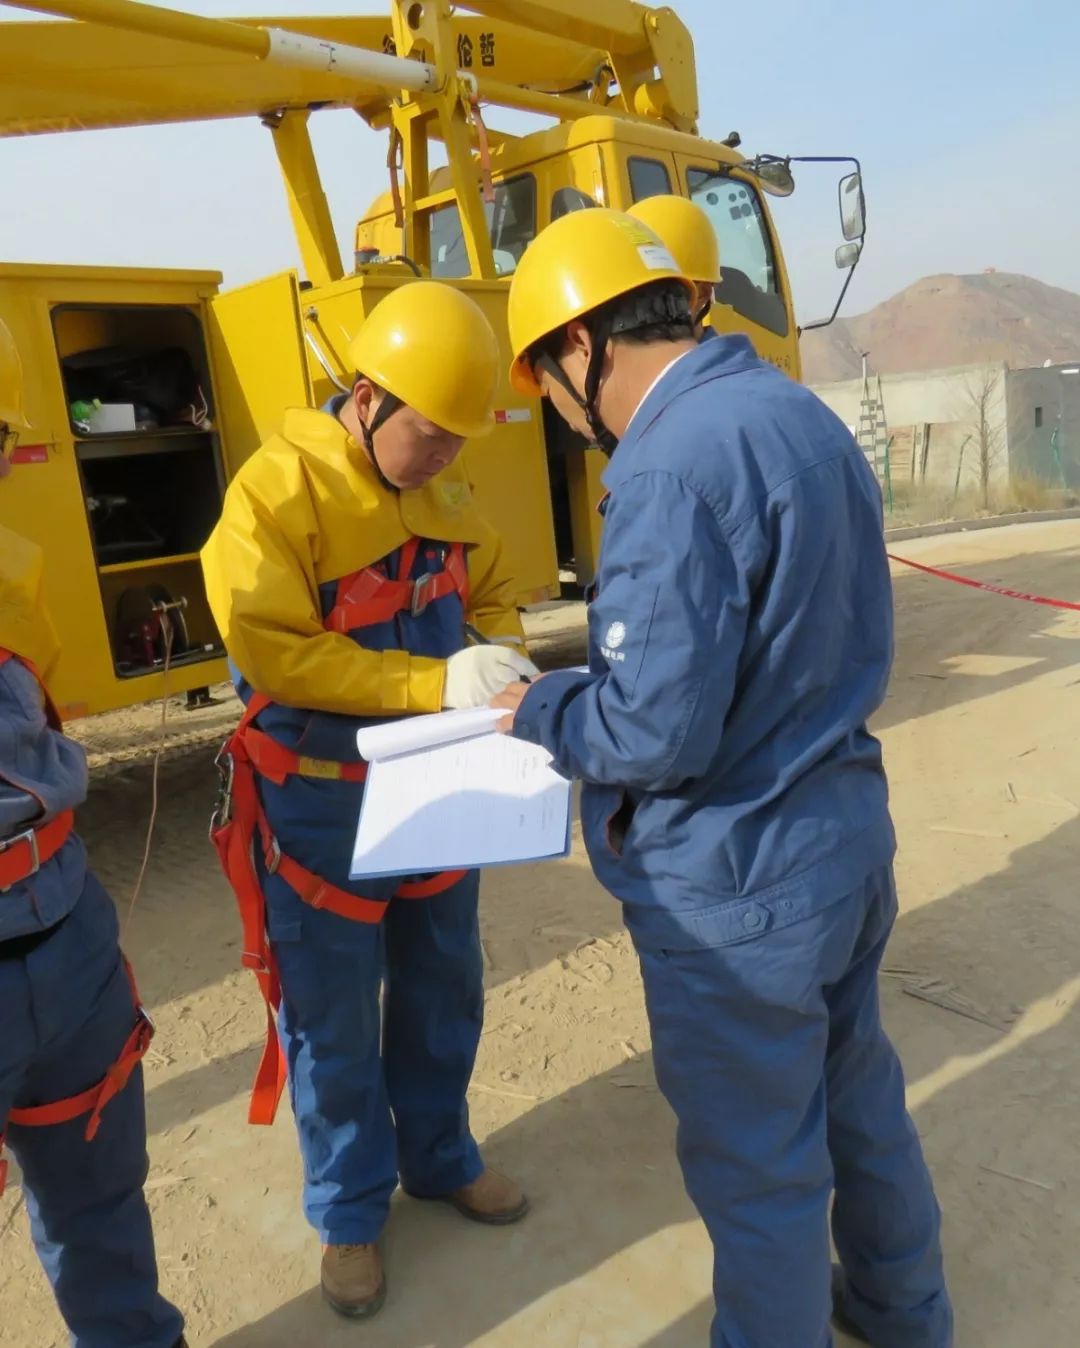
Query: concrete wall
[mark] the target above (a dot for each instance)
(932, 414)
(1049, 397)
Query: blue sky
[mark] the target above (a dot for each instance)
(965, 114)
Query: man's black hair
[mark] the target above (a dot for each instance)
(656, 312)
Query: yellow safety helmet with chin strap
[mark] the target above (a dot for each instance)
(431, 348)
(574, 266)
(687, 231)
(12, 416)
(574, 270)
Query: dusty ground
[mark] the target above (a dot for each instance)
(981, 994)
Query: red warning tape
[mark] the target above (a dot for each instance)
(982, 585)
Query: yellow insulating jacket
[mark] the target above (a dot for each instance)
(25, 626)
(307, 509)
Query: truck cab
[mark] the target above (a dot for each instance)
(604, 161)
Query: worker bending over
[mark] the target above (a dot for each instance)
(348, 560)
(734, 800)
(72, 1029)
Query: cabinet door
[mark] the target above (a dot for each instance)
(259, 359)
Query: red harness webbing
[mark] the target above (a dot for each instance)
(21, 857)
(363, 599)
(94, 1100)
(368, 597)
(24, 854)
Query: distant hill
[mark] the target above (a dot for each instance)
(950, 320)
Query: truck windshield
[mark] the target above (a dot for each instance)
(747, 261)
(511, 220)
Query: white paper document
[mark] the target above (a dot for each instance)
(448, 792)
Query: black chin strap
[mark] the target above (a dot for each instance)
(703, 313)
(649, 310)
(600, 332)
(385, 409)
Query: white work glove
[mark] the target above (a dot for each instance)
(476, 674)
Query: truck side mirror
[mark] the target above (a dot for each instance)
(852, 208)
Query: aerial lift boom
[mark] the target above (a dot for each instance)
(127, 63)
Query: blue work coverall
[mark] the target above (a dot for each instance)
(735, 802)
(373, 1098)
(66, 1011)
(380, 1020)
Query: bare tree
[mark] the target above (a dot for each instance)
(982, 416)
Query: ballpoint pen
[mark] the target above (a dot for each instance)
(480, 640)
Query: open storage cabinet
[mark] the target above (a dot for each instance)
(122, 496)
(121, 479)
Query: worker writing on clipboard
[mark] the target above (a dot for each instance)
(740, 636)
(348, 566)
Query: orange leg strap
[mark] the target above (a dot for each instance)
(94, 1100)
(239, 826)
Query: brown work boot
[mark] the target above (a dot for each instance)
(492, 1199)
(352, 1279)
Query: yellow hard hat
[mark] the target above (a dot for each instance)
(576, 264)
(432, 348)
(687, 231)
(11, 384)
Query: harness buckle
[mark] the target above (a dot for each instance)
(28, 836)
(222, 812)
(420, 597)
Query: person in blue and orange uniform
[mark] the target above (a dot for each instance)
(348, 564)
(73, 1030)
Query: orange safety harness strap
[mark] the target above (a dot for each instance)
(239, 821)
(94, 1100)
(232, 831)
(24, 854)
(483, 146)
(21, 857)
(368, 597)
(274, 761)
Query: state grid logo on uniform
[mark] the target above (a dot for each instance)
(613, 639)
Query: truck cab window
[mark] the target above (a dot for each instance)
(648, 178)
(511, 220)
(747, 264)
(568, 199)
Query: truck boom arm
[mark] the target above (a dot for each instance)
(124, 63)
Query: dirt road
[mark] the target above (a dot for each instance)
(981, 993)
